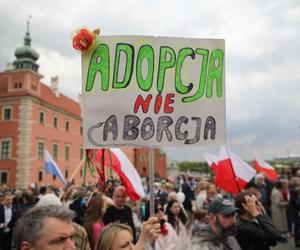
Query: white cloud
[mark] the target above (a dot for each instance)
(244, 139)
(66, 68)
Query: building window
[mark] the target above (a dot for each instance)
(40, 175)
(6, 114)
(18, 85)
(42, 118)
(54, 177)
(67, 153)
(81, 153)
(81, 130)
(67, 125)
(3, 177)
(33, 87)
(5, 149)
(40, 150)
(81, 172)
(66, 173)
(142, 157)
(55, 122)
(55, 151)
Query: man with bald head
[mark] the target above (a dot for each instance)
(119, 212)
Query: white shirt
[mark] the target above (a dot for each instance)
(7, 217)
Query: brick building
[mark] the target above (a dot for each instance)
(142, 162)
(34, 117)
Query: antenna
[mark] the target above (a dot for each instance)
(28, 22)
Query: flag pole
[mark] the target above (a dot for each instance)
(237, 184)
(151, 180)
(76, 170)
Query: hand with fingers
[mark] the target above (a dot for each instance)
(251, 205)
(150, 232)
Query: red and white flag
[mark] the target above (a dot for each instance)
(263, 167)
(126, 171)
(212, 161)
(232, 173)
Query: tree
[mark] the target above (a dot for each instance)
(201, 167)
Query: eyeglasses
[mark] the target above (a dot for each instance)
(156, 210)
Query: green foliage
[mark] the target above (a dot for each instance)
(201, 167)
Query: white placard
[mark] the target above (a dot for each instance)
(154, 91)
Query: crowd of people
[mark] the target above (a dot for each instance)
(189, 213)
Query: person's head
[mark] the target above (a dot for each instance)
(119, 197)
(200, 214)
(18, 194)
(172, 196)
(202, 185)
(285, 183)
(43, 190)
(8, 199)
(259, 179)
(190, 178)
(1, 197)
(93, 213)
(294, 182)
(174, 211)
(158, 210)
(115, 236)
(211, 189)
(45, 227)
(278, 185)
(221, 214)
(95, 207)
(28, 197)
(240, 201)
(298, 173)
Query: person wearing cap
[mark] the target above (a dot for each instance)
(221, 229)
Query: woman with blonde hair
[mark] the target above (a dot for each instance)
(116, 236)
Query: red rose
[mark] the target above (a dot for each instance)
(83, 39)
(164, 229)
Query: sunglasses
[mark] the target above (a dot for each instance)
(156, 210)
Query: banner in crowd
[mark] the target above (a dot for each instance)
(153, 91)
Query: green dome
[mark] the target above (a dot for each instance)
(26, 56)
(25, 52)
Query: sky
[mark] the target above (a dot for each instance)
(262, 56)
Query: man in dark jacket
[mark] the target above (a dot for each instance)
(220, 233)
(255, 230)
(119, 212)
(6, 213)
(188, 190)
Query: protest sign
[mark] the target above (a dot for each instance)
(153, 91)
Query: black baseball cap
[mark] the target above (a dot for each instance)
(222, 206)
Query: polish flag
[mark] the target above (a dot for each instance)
(232, 173)
(126, 171)
(212, 161)
(263, 167)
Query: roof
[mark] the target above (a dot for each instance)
(62, 102)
